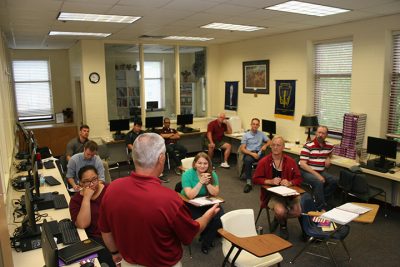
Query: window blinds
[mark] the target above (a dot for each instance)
(33, 89)
(394, 102)
(332, 88)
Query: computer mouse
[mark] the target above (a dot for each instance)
(55, 192)
(392, 171)
(88, 264)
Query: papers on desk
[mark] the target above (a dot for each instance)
(339, 216)
(350, 207)
(205, 201)
(283, 191)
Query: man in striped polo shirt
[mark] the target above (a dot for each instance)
(314, 159)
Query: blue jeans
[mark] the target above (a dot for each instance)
(247, 162)
(322, 191)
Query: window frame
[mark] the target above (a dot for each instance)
(393, 127)
(161, 80)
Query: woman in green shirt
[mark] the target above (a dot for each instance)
(201, 181)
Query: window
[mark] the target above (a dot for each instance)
(153, 81)
(394, 102)
(33, 90)
(332, 70)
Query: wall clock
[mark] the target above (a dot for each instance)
(94, 77)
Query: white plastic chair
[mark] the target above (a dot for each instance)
(241, 224)
(187, 163)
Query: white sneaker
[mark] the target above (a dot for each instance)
(225, 165)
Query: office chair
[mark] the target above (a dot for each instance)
(187, 163)
(241, 224)
(108, 165)
(315, 234)
(355, 184)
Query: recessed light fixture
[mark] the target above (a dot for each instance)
(93, 34)
(232, 27)
(188, 38)
(64, 16)
(307, 9)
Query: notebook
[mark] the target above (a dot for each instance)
(205, 201)
(79, 250)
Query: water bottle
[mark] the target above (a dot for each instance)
(42, 180)
(259, 230)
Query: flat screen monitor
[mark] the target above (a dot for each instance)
(49, 246)
(184, 119)
(154, 122)
(29, 223)
(152, 105)
(268, 127)
(119, 125)
(382, 147)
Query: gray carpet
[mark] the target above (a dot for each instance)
(374, 244)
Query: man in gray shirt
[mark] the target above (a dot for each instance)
(75, 145)
(77, 161)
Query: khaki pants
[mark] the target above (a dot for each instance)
(124, 264)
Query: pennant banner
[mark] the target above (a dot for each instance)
(231, 95)
(285, 99)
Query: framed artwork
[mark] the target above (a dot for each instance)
(231, 95)
(256, 77)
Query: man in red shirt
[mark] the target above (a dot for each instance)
(215, 134)
(143, 222)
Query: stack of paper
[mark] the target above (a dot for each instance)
(339, 216)
(283, 191)
(354, 208)
(204, 201)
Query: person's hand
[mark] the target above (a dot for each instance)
(225, 121)
(87, 192)
(327, 163)
(205, 178)
(321, 178)
(211, 212)
(117, 258)
(76, 187)
(212, 145)
(285, 182)
(276, 181)
(254, 155)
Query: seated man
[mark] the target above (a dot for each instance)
(75, 145)
(254, 143)
(215, 135)
(77, 161)
(314, 159)
(176, 151)
(279, 169)
(133, 134)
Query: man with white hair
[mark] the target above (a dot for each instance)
(143, 223)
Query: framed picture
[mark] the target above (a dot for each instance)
(256, 77)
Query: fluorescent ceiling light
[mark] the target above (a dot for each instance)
(307, 9)
(232, 27)
(94, 34)
(188, 38)
(64, 16)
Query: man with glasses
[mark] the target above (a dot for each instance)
(176, 151)
(87, 157)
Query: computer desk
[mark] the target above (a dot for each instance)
(35, 257)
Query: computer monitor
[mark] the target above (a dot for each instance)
(152, 105)
(29, 225)
(49, 246)
(269, 127)
(183, 120)
(383, 148)
(119, 125)
(154, 122)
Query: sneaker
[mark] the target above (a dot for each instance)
(247, 188)
(225, 165)
(178, 171)
(274, 225)
(283, 232)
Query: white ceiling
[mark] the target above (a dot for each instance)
(26, 23)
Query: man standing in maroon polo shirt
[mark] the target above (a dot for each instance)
(143, 223)
(214, 139)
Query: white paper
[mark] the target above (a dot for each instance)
(339, 216)
(204, 201)
(283, 190)
(354, 208)
(59, 117)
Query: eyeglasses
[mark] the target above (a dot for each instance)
(93, 181)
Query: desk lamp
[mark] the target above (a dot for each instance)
(309, 121)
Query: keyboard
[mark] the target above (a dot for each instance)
(49, 164)
(60, 202)
(374, 168)
(79, 250)
(68, 232)
(50, 180)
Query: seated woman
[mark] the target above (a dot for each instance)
(84, 207)
(201, 181)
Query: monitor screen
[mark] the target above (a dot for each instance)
(184, 119)
(119, 125)
(49, 246)
(382, 147)
(29, 223)
(154, 122)
(268, 126)
(152, 104)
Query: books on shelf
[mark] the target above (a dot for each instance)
(283, 191)
(205, 201)
(345, 213)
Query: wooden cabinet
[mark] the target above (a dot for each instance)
(54, 136)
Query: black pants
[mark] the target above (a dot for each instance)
(174, 150)
(104, 254)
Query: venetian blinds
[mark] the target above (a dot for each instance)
(332, 84)
(394, 102)
(33, 90)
